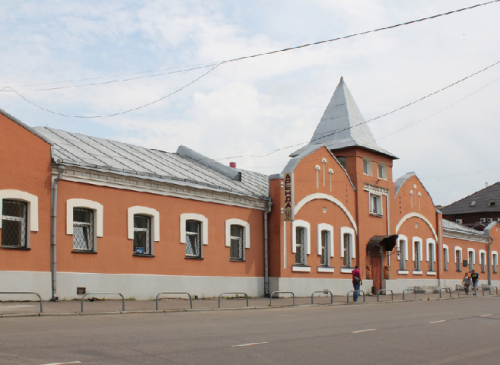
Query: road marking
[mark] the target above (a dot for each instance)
(63, 363)
(438, 321)
(364, 331)
(485, 315)
(249, 344)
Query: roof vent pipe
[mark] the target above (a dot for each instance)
(232, 164)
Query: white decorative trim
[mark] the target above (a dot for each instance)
(318, 196)
(416, 215)
(415, 272)
(403, 272)
(458, 248)
(431, 273)
(150, 212)
(493, 257)
(479, 255)
(353, 241)
(323, 160)
(301, 268)
(32, 208)
(329, 228)
(237, 222)
(307, 227)
(402, 237)
(195, 217)
(318, 168)
(88, 204)
(447, 258)
(428, 241)
(346, 270)
(377, 190)
(413, 240)
(473, 256)
(326, 269)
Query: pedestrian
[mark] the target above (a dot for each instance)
(466, 283)
(475, 280)
(356, 282)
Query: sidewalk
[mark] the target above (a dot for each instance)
(178, 304)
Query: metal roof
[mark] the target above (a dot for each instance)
(342, 125)
(455, 227)
(185, 168)
(486, 200)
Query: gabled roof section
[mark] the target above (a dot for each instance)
(25, 126)
(342, 125)
(482, 201)
(292, 164)
(455, 227)
(187, 168)
(400, 182)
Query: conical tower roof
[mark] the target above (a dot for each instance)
(342, 125)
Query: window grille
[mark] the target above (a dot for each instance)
(445, 256)
(417, 256)
(325, 235)
(347, 250)
(83, 229)
(402, 255)
(299, 246)
(193, 238)
(431, 256)
(14, 228)
(483, 262)
(236, 250)
(142, 234)
(458, 255)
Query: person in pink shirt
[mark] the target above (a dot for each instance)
(356, 282)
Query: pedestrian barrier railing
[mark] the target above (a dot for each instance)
(385, 290)
(235, 293)
(27, 293)
(283, 292)
(322, 292)
(356, 291)
(489, 288)
(120, 294)
(461, 287)
(174, 293)
(448, 290)
(404, 292)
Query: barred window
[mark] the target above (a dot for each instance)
(402, 255)
(193, 238)
(236, 250)
(142, 235)
(14, 226)
(300, 233)
(325, 255)
(347, 250)
(83, 229)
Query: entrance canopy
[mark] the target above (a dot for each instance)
(386, 242)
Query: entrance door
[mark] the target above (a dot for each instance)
(374, 255)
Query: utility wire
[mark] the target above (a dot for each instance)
(119, 113)
(190, 68)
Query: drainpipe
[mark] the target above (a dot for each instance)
(487, 234)
(266, 244)
(53, 233)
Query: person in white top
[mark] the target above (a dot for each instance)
(466, 283)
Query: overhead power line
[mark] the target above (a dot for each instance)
(212, 64)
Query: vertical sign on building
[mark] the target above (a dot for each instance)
(288, 209)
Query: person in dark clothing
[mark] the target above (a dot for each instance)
(475, 280)
(356, 282)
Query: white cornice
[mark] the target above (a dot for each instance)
(375, 189)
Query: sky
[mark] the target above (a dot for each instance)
(254, 106)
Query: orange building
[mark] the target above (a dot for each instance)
(84, 214)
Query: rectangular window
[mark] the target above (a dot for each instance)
(142, 235)
(14, 228)
(193, 239)
(300, 235)
(459, 221)
(417, 256)
(471, 258)
(83, 229)
(431, 256)
(325, 238)
(402, 255)
(458, 258)
(236, 250)
(382, 170)
(483, 262)
(495, 263)
(347, 250)
(445, 256)
(375, 204)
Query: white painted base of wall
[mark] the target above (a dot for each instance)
(35, 281)
(144, 287)
(304, 287)
(397, 286)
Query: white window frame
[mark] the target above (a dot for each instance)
(307, 238)
(350, 231)
(384, 170)
(184, 217)
(98, 217)
(380, 203)
(420, 252)
(458, 248)
(320, 228)
(473, 258)
(428, 241)
(446, 257)
(369, 166)
(246, 231)
(494, 261)
(459, 221)
(149, 212)
(480, 252)
(31, 209)
(402, 238)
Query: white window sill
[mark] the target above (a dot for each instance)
(346, 270)
(403, 272)
(432, 273)
(415, 272)
(326, 269)
(377, 215)
(301, 268)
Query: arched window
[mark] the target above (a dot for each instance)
(347, 246)
(402, 247)
(237, 238)
(458, 257)
(382, 170)
(143, 226)
(367, 166)
(84, 220)
(325, 243)
(301, 244)
(194, 234)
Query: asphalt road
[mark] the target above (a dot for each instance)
(426, 332)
